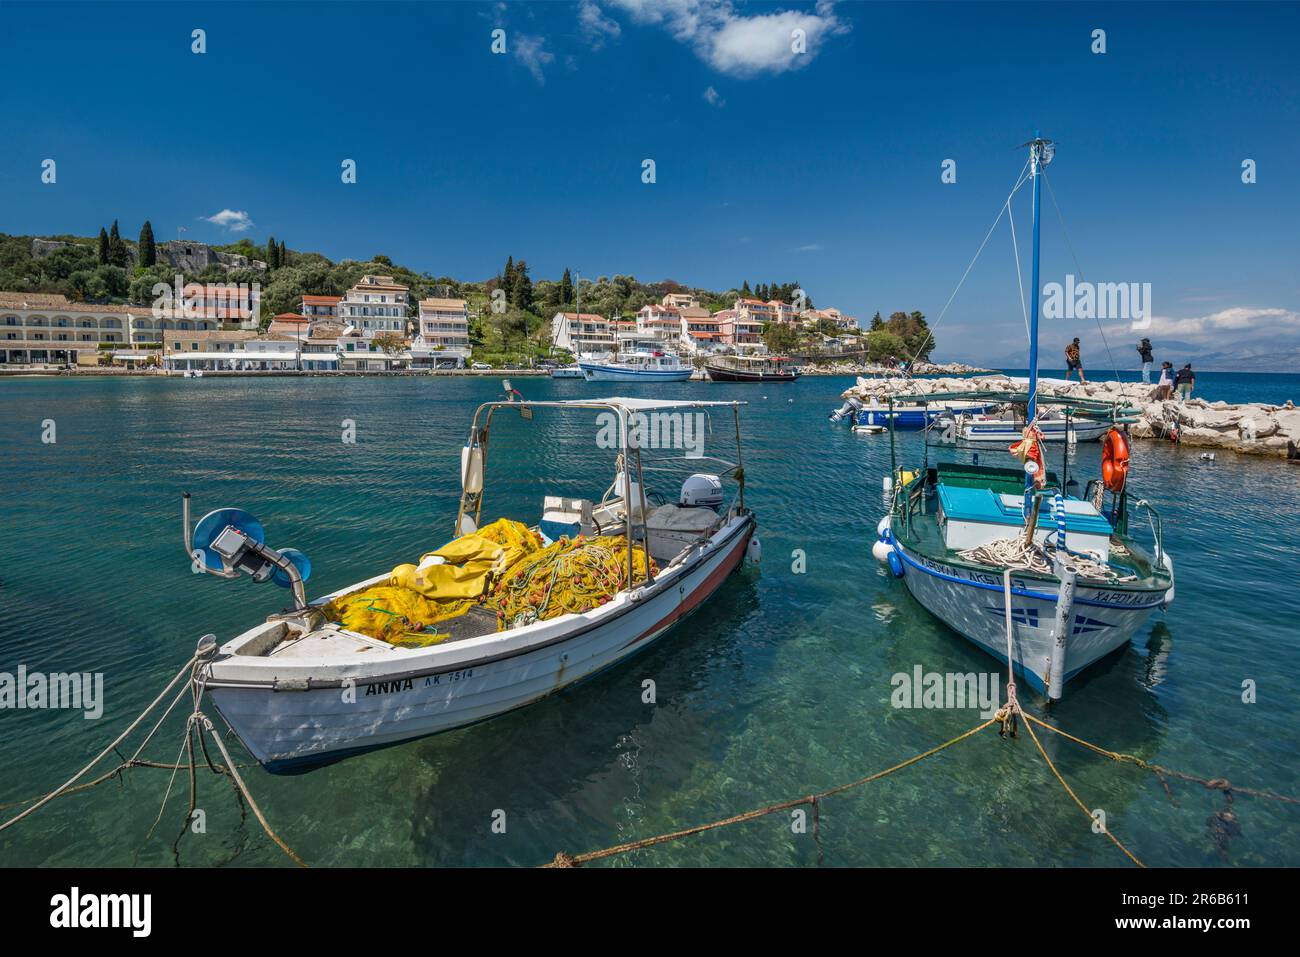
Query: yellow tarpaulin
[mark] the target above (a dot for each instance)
(415, 598)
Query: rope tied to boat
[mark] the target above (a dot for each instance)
(1017, 555)
(196, 720)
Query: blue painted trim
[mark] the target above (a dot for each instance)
(1024, 593)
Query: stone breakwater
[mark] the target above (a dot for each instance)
(1254, 428)
(843, 367)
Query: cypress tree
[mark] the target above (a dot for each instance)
(272, 254)
(148, 250)
(283, 256)
(566, 288)
(523, 286)
(101, 254)
(508, 280)
(116, 248)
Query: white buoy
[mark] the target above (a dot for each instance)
(754, 551)
(881, 551)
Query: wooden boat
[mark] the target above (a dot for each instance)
(750, 369)
(301, 689)
(1049, 591)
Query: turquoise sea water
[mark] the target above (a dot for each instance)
(777, 687)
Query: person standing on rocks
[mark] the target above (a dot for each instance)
(1165, 387)
(1184, 382)
(1144, 351)
(1073, 360)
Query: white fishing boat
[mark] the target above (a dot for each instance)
(1004, 428)
(305, 687)
(637, 366)
(1048, 590)
(567, 372)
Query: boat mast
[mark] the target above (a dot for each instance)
(1040, 154)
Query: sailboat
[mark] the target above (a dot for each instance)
(1010, 558)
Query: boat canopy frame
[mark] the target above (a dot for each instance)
(474, 472)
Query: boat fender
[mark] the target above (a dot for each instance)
(882, 526)
(895, 564)
(754, 551)
(881, 551)
(887, 484)
(1169, 592)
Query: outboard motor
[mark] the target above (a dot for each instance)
(701, 491)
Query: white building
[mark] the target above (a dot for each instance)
(374, 306)
(442, 334)
(661, 325)
(581, 333)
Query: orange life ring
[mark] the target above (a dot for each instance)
(1114, 460)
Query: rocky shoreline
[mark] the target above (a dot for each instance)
(1254, 428)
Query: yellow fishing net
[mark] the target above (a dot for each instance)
(415, 598)
(568, 576)
(502, 566)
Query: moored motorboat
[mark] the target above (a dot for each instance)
(745, 368)
(567, 372)
(499, 617)
(637, 366)
(913, 416)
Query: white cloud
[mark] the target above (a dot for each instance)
(234, 220)
(714, 98)
(532, 53)
(735, 43)
(809, 248)
(1229, 325)
(595, 26)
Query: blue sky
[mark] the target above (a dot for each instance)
(771, 166)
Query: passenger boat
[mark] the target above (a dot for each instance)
(1010, 558)
(750, 369)
(317, 682)
(636, 366)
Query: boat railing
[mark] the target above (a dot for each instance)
(1157, 526)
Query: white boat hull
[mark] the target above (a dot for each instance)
(1003, 432)
(450, 686)
(973, 604)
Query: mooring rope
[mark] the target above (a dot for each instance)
(573, 860)
(120, 738)
(196, 720)
(1016, 553)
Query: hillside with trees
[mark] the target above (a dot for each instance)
(510, 327)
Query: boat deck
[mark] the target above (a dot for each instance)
(923, 533)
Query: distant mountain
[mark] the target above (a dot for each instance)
(1242, 358)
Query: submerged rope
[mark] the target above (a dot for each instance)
(573, 860)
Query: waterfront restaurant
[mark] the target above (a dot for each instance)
(208, 349)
